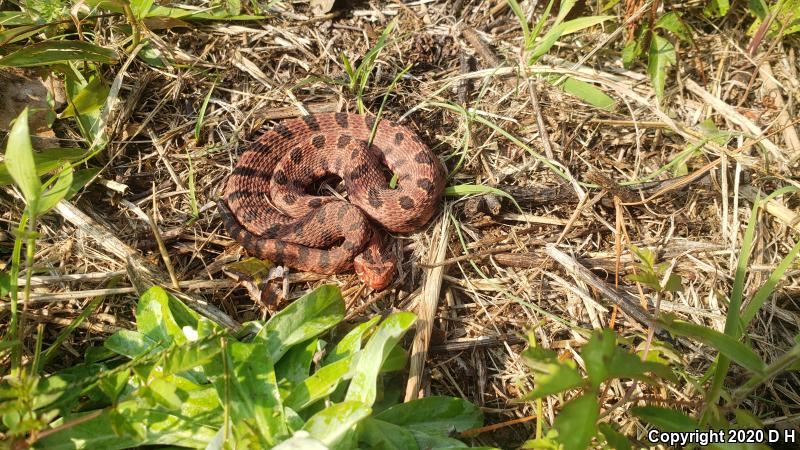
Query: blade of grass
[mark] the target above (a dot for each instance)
(202, 113)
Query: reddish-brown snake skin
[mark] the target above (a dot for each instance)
(267, 207)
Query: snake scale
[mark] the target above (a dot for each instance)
(269, 208)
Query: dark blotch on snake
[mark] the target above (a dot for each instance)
(283, 131)
(311, 122)
(341, 120)
(289, 199)
(343, 141)
(406, 202)
(318, 141)
(425, 184)
(359, 171)
(296, 155)
(280, 177)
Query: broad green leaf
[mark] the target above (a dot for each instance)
(301, 441)
(671, 21)
(56, 192)
(91, 122)
(154, 318)
(141, 8)
(630, 52)
(665, 419)
(385, 435)
(577, 422)
(295, 365)
(728, 346)
(191, 355)
(548, 40)
(244, 379)
(363, 386)
(79, 180)
(154, 426)
(615, 439)
(89, 99)
(437, 416)
(597, 354)
(19, 159)
(321, 384)
(564, 8)
(45, 161)
(351, 342)
(331, 424)
(717, 8)
(661, 56)
(588, 93)
(129, 343)
(53, 52)
(306, 317)
(551, 376)
(174, 12)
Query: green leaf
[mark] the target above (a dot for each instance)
(548, 40)
(295, 365)
(321, 384)
(363, 386)
(57, 191)
(665, 419)
(461, 190)
(146, 427)
(436, 416)
(672, 22)
(581, 23)
(384, 435)
(79, 180)
(588, 93)
(523, 21)
(53, 52)
(351, 342)
(45, 161)
(154, 318)
(140, 8)
(244, 379)
(629, 54)
(19, 159)
(201, 114)
(129, 343)
(5, 283)
(305, 318)
(717, 8)
(551, 376)
(332, 423)
(89, 99)
(614, 438)
(577, 422)
(766, 290)
(728, 346)
(661, 56)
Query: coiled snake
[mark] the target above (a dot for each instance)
(267, 207)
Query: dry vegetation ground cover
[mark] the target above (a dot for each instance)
(677, 176)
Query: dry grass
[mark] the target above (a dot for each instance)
(463, 53)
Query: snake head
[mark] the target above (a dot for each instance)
(375, 267)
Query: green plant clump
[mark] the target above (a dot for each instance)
(181, 380)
